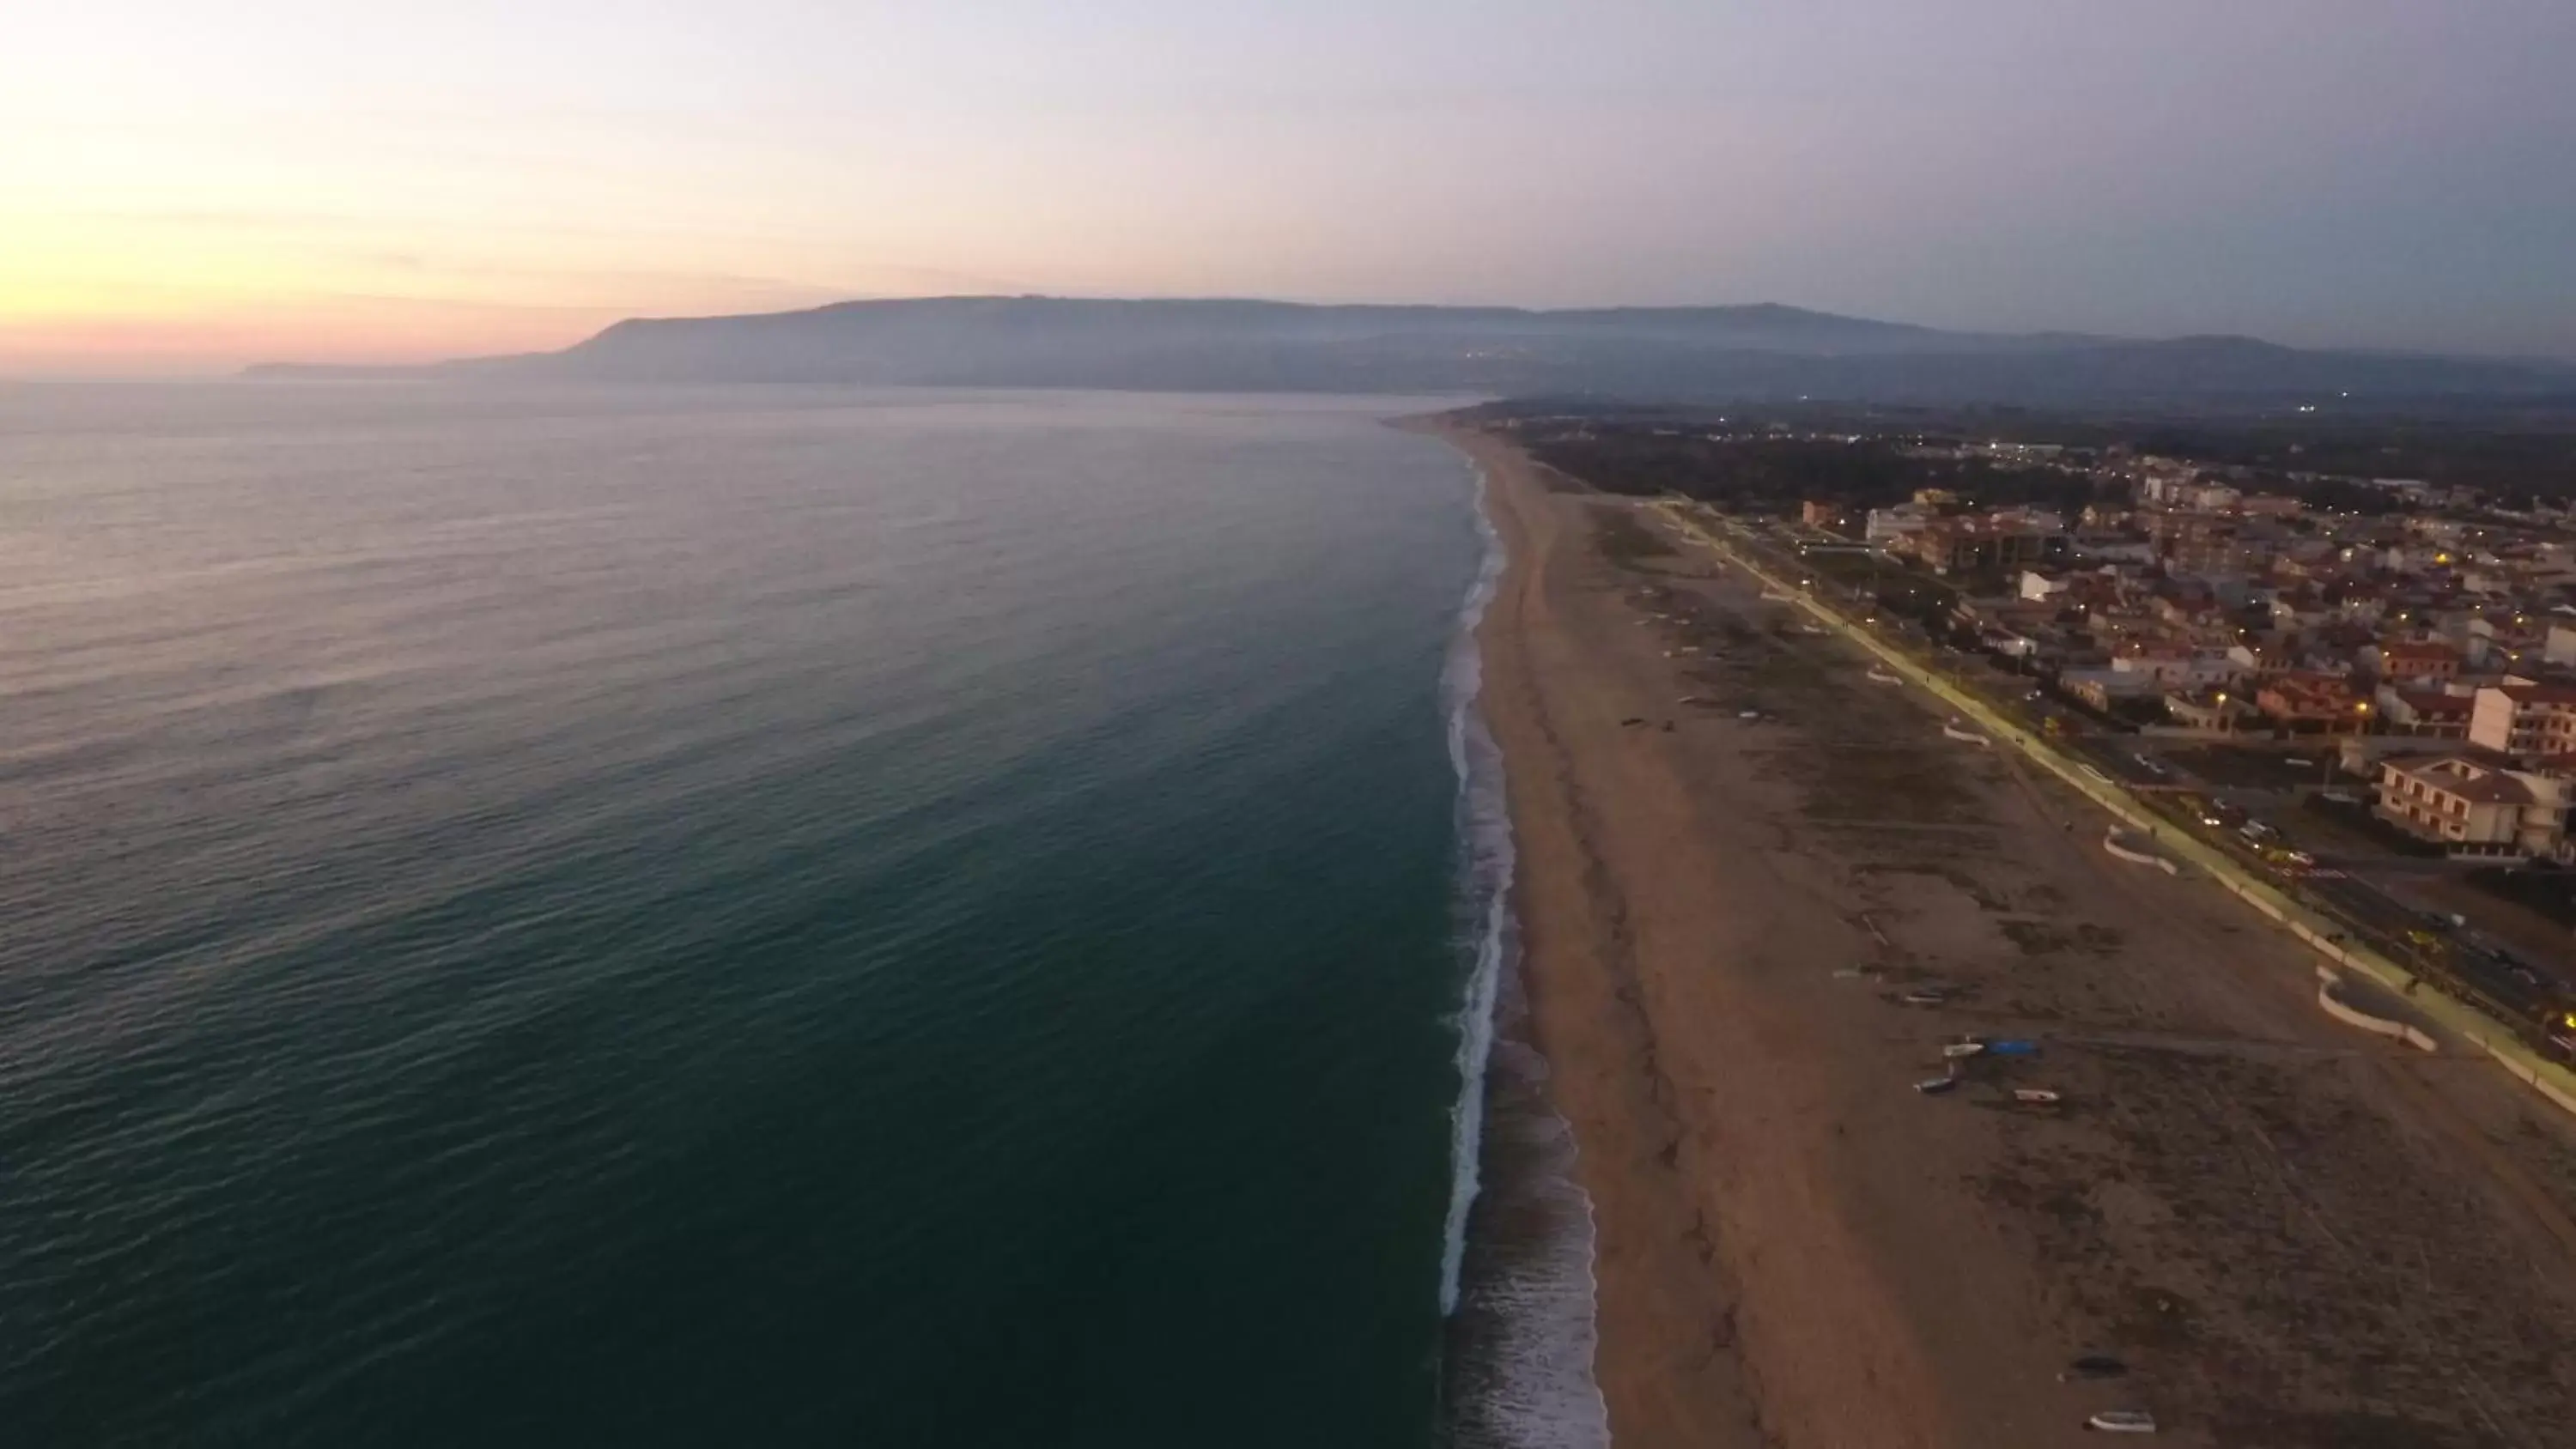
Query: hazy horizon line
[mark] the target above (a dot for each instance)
(240, 370)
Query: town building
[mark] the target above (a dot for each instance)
(2431, 713)
(1980, 544)
(1888, 527)
(2412, 661)
(2471, 807)
(2037, 586)
(2310, 701)
(2104, 688)
(2525, 719)
(2208, 710)
(2175, 665)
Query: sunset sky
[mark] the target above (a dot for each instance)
(187, 185)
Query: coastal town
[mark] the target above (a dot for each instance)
(1882, 966)
(2363, 687)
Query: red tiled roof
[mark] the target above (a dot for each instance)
(2539, 693)
(2458, 775)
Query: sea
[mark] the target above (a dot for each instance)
(655, 916)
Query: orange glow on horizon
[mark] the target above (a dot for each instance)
(212, 292)
(355, 330)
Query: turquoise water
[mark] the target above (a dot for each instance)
(726, 917)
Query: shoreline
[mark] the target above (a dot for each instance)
(1518, 1289)
(1792, 1247)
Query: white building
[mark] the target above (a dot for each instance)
(1887, 525)
(2473, 808)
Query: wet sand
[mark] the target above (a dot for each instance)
(2294, 1233)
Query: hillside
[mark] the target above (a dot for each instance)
(1760, 352)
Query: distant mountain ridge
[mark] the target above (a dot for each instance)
(1762, 351)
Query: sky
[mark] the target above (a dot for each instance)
(190, 185)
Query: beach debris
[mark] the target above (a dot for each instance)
(2093, 1366)
(1935, 1086)
(1857, 973)
(1634, 719)
(1748, 714)
(2123, 1421)
(1959, 1049)
(1883, 677)
(2036, 1096)
(1926, 996)
(2012, 1047)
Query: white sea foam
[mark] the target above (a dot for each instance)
(1485, 885)
(1534, 1339)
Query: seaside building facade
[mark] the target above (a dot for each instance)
(2471, 807)
(2525, 719)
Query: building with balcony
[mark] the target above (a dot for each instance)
(2525, 719)
(1995, 542)
(2471, 807)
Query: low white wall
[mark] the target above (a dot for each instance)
(2329, 996)
(2111, 843)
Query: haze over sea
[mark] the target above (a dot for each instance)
(727, 917)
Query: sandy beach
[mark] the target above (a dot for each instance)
(2292, 1233)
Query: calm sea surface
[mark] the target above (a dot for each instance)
(748, 918)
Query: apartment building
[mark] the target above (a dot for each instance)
(2470, 807)
(2525, 719)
